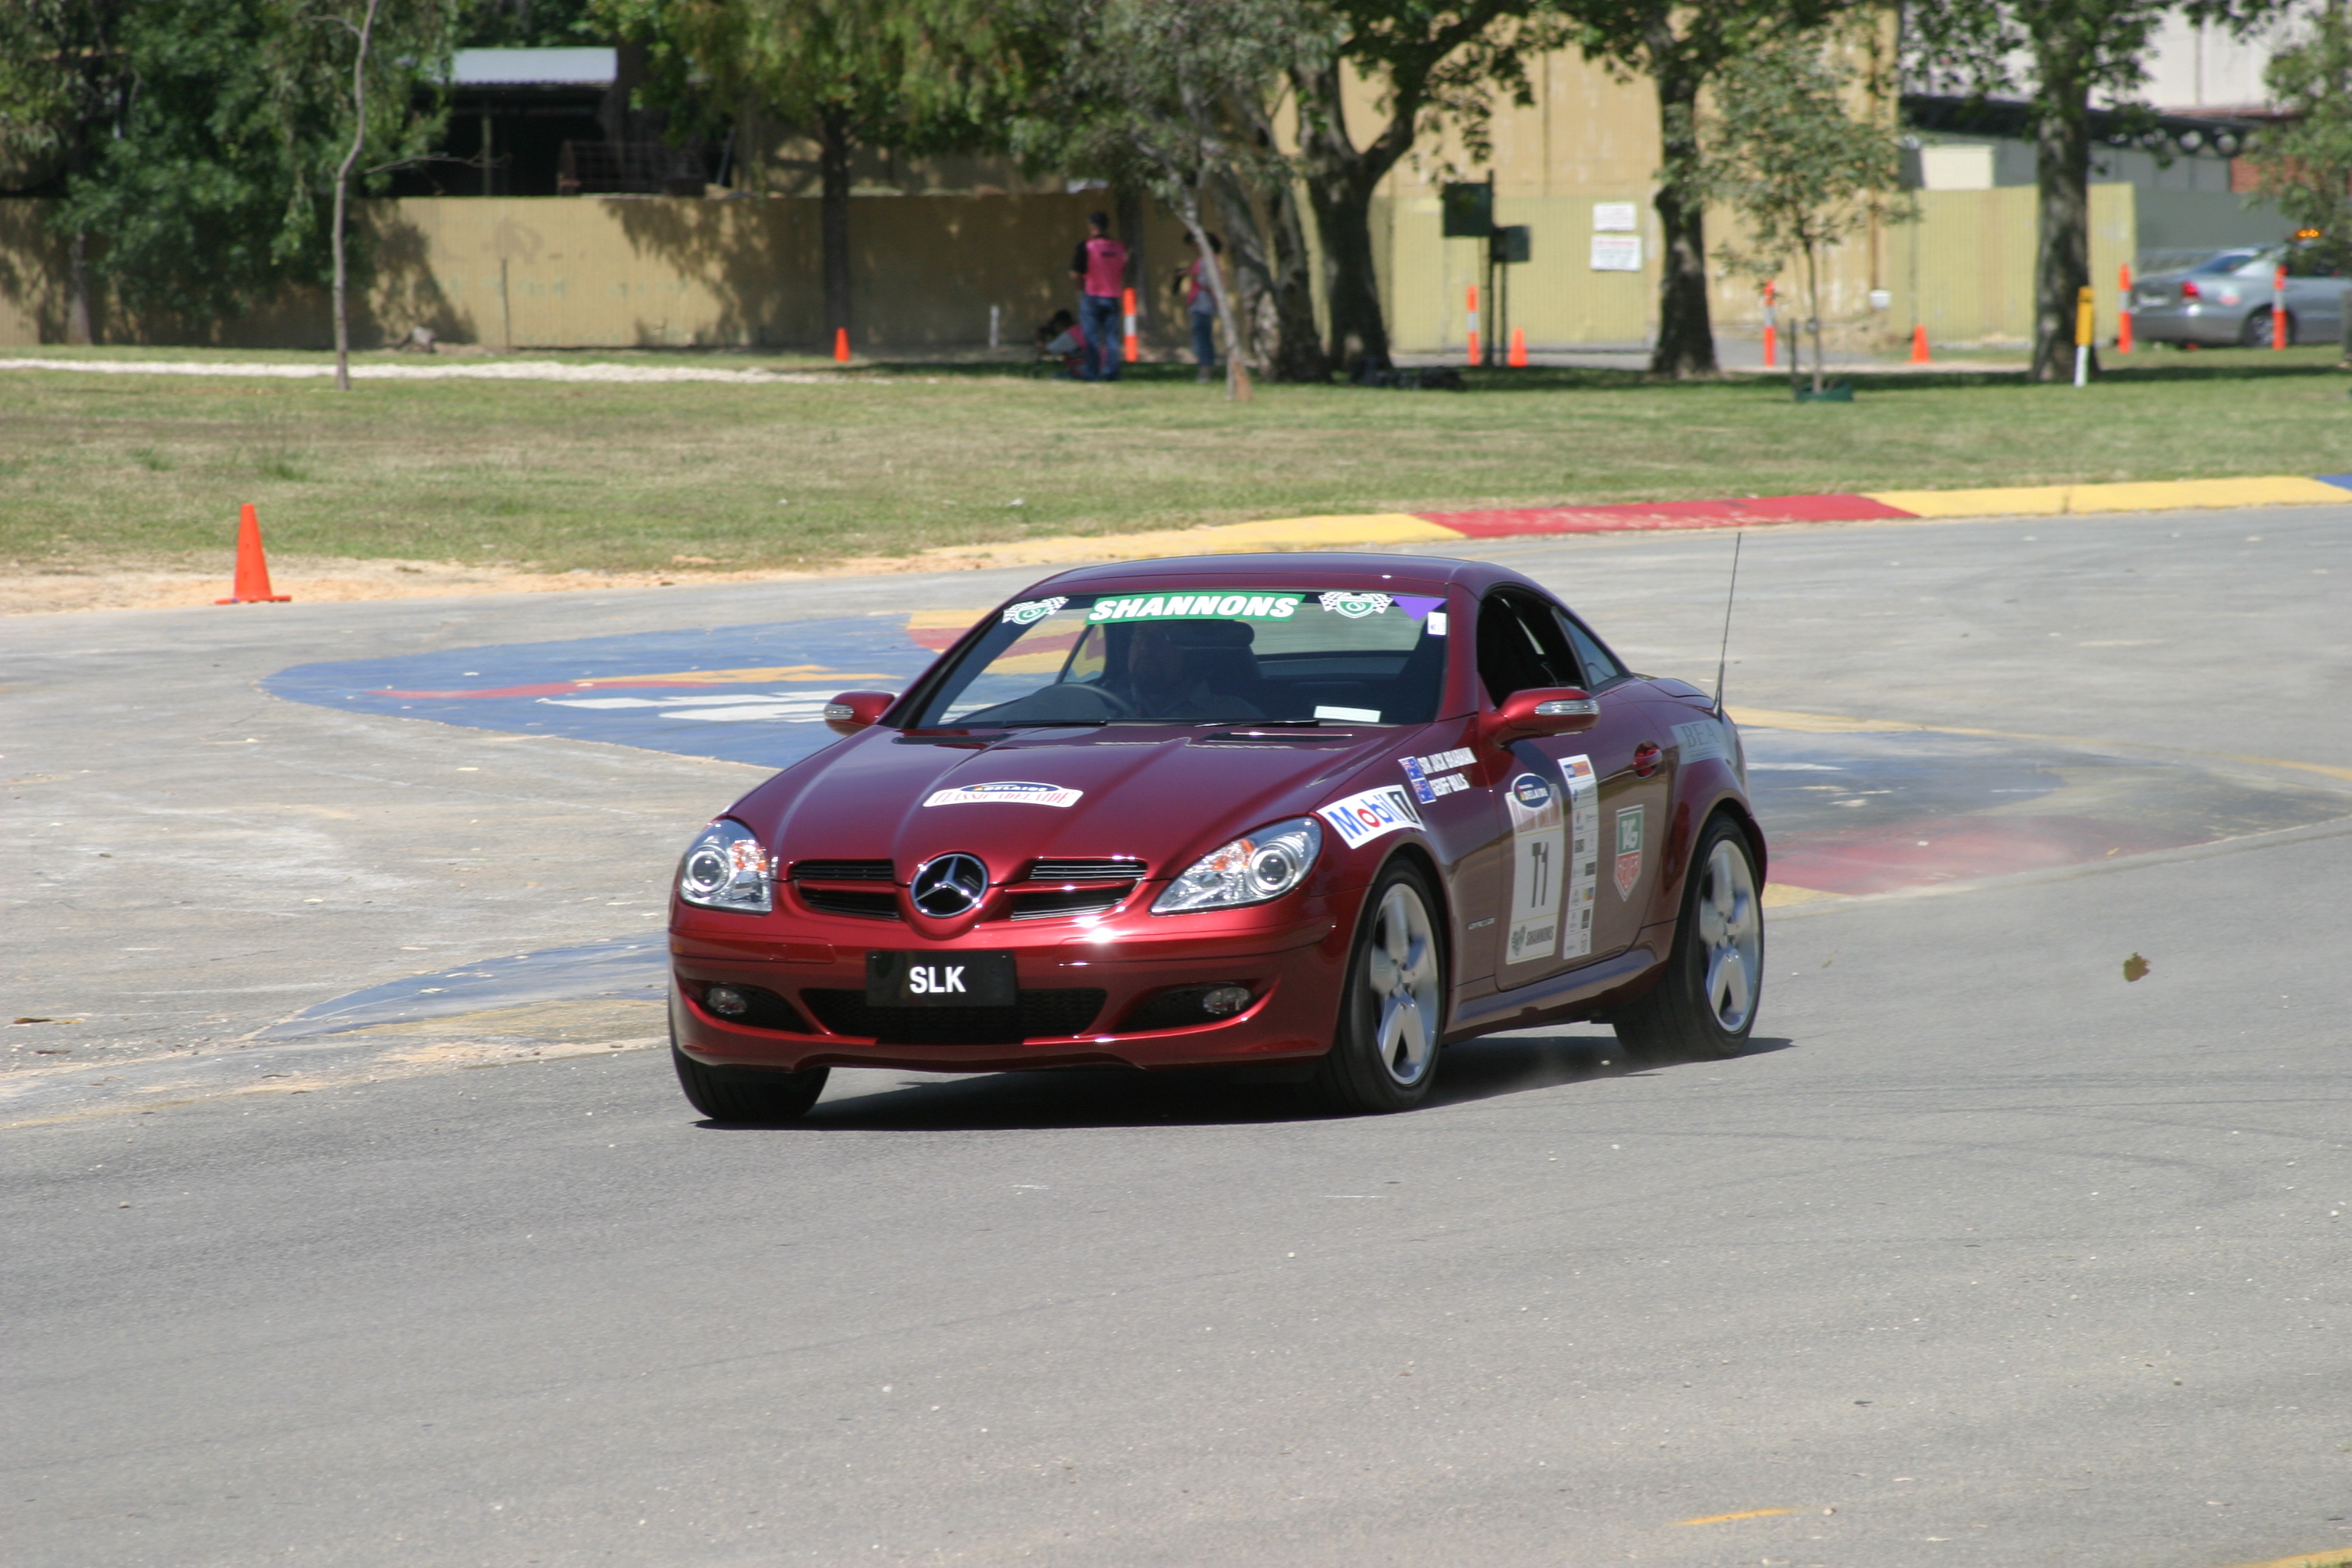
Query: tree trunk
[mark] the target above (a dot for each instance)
(1813, 309)
(1341, 179)
(78, 331)
(833, 163)
(2062, 267)
(342, 198)
(1685, 345)
(1298, 351)
(1268, 247)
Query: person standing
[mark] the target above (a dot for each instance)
(1099, 264)
(1200, 306)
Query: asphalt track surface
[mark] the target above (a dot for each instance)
(1986, 1255)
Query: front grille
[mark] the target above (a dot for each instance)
(768, 1011)
(1038, 1014)
(1119, 867)
(874, 906)
(842, 871)
(869, 904)
(1061, 903)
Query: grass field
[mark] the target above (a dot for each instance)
(101, 470)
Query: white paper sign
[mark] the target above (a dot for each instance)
(1583, 855)
(1616, 253)
(1614, 217)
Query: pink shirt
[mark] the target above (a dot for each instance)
(1106, 266)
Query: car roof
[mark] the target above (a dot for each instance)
(1389, 574)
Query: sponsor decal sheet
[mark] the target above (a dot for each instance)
(1433, 776)
(1555, 862)
(1630, 824)
(1225, 604)
(1360, 818)
(1583, 854)
(1006, 792)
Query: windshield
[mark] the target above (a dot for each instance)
(1205, 656)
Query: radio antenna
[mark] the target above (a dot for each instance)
(1723, 653)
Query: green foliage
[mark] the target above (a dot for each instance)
(1786, 152)
(60, 77)
(1162, 93)
(216, 191)
(529, 25)
(912, 75)
(2306, 161)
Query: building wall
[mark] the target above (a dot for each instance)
(571, 272)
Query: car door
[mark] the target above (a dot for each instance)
(1574, 807)
(2314, 299)
(1635, 803)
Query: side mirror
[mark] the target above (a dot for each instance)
(1542, 710)
(854, 711)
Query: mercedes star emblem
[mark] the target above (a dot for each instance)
(950, 885)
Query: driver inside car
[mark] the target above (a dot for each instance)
(1186, 669)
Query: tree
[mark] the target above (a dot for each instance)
(2304, 163)
(62, 82)
(209, 184)
(915, 76)
(1681, 48)
(1436, 63)
(1790, 158)
(1172, 94)
(2073, 50)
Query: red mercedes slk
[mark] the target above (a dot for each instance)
(1315, 815)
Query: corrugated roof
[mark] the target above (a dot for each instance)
(533, 68)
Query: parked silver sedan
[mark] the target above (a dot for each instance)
(2227, 298)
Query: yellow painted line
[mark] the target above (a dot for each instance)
(2162, 495)
(1781, 895)
(2331, 1557)
(1833, 724)
(1727, 1517)
(1226, 538)
(1298, 532)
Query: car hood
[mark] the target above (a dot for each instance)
(1164, 794)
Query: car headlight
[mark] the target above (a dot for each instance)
(727, 868)
(1251, 869)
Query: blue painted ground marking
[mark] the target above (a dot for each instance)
(743, 694)
(624, 968)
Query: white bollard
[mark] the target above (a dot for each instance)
(995, 317)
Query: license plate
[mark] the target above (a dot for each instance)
(940, 980)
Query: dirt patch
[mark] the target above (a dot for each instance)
(310, 580)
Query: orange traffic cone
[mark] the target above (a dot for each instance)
(252, 565)
(1518, 347)
(841, 346)
(1919, 343)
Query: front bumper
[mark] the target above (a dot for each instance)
(1292, 954)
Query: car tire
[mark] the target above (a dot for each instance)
(2255, 332)
(1704, 1005)
(747, 1094)
(1383, 1053)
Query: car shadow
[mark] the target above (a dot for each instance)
(1119, 1097)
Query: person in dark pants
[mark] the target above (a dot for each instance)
(1099, 264)
(1201, 306)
